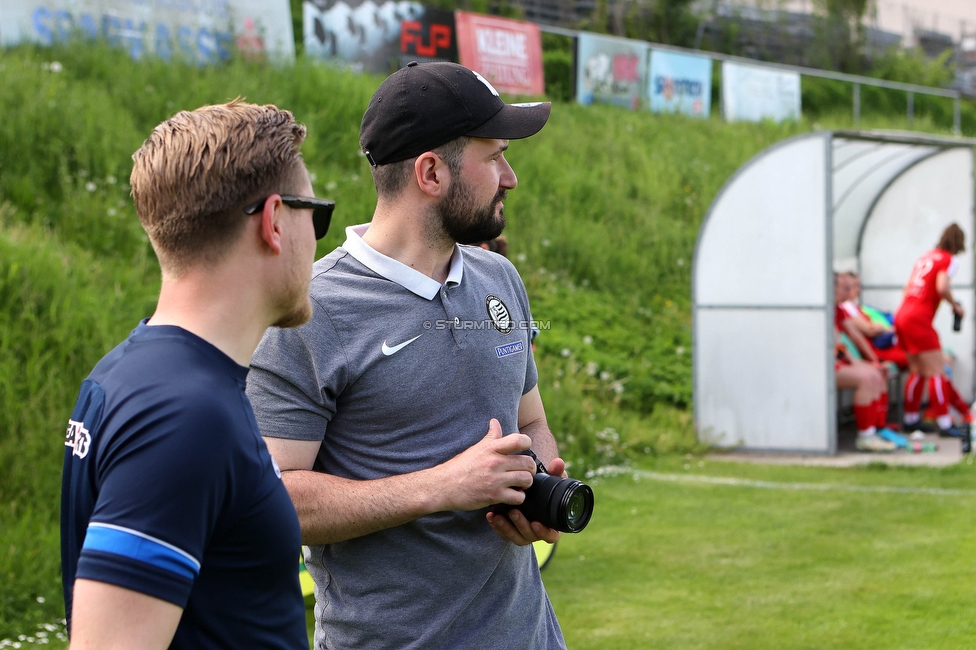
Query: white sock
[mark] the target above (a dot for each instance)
(944, 421)
(912, 418)
(866, 433)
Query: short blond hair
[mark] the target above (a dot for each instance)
(197, 170)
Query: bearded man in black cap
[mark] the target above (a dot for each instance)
(377, 409)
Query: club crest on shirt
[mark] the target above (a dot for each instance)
(498, 312)
(78, 438)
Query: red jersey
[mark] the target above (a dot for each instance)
(921, 295)
(853, 310)
(840, 315)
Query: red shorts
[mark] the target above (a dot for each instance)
(915, 333)
(894, 354)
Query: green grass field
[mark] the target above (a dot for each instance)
(767, 563)
(696, 553)
(602, 228)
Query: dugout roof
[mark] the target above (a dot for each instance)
(762, 277)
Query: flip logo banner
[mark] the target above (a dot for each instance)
(429, 37)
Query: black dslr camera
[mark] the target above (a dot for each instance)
(561, 503)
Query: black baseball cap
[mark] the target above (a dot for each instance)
(424, 105)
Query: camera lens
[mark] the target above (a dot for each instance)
(576, 506)
(564, 504)
(561, 503)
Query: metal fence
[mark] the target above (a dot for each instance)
(856, 80)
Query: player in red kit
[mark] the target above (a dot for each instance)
(867, 378)
(926, 288)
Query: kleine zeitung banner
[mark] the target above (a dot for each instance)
(508, 53)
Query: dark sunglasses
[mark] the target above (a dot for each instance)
(321, 210)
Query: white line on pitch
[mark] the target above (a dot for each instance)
(819, 487)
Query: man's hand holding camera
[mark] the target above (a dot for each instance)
(490, 471)
(516, 528)
(497, 471)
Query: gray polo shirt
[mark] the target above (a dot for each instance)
(396, 373)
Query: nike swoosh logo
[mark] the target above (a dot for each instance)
(387, 350)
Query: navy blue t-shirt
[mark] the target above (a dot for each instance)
(169, 490)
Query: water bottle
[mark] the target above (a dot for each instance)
(967, 438)
(956, 321)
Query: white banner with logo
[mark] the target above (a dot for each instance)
(753, 93)
(680, 83)
(610, 70)
(203, 31)
(363, 33)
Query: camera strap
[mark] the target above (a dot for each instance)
(539, 467)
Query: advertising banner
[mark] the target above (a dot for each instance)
(203, 31)
(431, 37)
(752, 93)
(508, 53)
(360, 32)
(610, 70)
(680, 83)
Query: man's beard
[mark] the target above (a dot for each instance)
(464, 221)
(293, 303)
(297, 316)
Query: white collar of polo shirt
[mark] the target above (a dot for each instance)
(389, 268)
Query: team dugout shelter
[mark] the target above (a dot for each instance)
(762, 277)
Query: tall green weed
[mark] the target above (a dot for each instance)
(61, 309)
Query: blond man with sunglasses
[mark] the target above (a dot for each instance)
(177, 531)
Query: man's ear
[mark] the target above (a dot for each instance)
(432, 174)
(271, 223)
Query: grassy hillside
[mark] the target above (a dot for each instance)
(602, 228)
